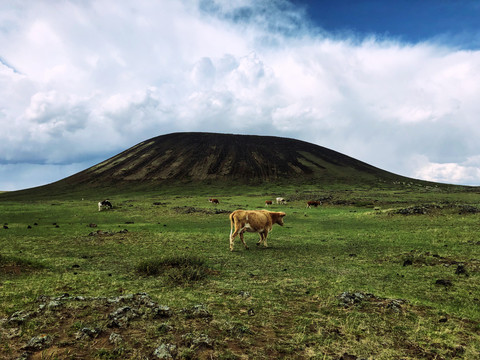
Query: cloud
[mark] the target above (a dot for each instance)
(81, 80)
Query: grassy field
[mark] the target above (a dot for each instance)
(371, 274)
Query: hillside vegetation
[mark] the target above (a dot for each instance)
(373, 273)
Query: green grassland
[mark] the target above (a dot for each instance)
(372, 274)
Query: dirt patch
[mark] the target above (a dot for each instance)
(17, 266)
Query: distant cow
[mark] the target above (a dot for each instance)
(313, 203)
(213, 201)
(281, 200)
(104, 205)
(268, 202)
(260, 221)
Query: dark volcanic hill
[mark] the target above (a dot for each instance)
(223, 157)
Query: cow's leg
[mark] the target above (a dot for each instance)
(243, 241)
(265, 234)
(232, 237)
(239, 230)
(261, 238)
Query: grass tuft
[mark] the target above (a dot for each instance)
(177, 270)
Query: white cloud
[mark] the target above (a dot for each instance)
(73, 71)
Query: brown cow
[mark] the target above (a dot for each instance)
(260, 221)
(268, 202)
(213, 201)
(313, 203)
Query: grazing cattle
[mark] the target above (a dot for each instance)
(260, 221)
(281, 200)
(213, 201)
(268, 202)
(104, 205)
(313, 203)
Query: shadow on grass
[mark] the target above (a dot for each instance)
(16, 266)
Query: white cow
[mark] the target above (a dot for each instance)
(281, 200)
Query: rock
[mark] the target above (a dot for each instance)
(115, 339)
(395, 305)
(19, 317)
(38, 342)
(244, 294)
(161, 311)
(197, 311)
(348, 298)
(122, 316)
(54, 304)
(198, 340)
(87, 333)
(165, 351)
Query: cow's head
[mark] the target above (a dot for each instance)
(279, 217)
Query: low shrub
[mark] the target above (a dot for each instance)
(177, 270)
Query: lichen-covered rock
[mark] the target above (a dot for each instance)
(165, 351)
(38, 342)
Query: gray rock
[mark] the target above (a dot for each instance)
(38, 342)
(19, 317)
(87, 333)
(161, 311)
(165, 351)
(116, 339)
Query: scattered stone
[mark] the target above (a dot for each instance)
(161, 311)
(244, 294)
(115, 339)
(165, 351)
(395, 305)
(19, 317)
(38, 342)
(348, 298)
(87, 333)
(29, 226)
(53, 304)
(122, 316)
(197, 311)
(107, 233)
(198, 341)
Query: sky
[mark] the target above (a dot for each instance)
(394, 84)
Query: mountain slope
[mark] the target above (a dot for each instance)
(225, 157)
